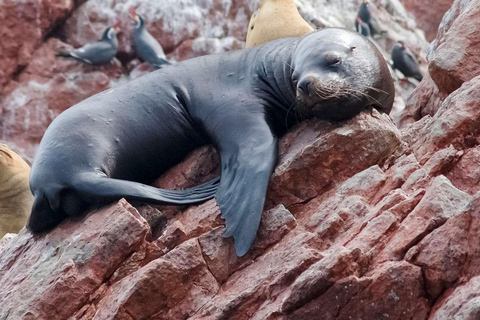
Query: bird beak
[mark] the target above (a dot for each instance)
(117, 26)
(133, 14)
(134, 17)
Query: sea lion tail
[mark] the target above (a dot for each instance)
(113, 189)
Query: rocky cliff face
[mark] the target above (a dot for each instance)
(363, 220)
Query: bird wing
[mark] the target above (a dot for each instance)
(149, 48)
(93, 50)
(411, 62)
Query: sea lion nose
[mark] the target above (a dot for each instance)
(304, 85)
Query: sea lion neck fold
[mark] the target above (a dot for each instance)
(273, 64)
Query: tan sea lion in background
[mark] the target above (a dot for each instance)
(15, 197)
(275, 19)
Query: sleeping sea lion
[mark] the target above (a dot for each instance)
(15, 196)
(275, 19)
(99, 151)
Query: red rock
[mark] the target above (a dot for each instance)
(456, 123)
(219, 253)
(336, 264)
(346, 207)
(310, 158)
(455, 58)
(48, 86)
(52, 276)
(24, 24)
(442, 254)
(190, 224)
(465, 175)
(428, 17)
(155, 218)
(426, 99)
(442, 161)
(361, 221)
(202, 46)
(452, 59)
(259, 283)
(441, 202)
(462, 303)
(393, 291)
(200, 166)
(399, 172)
(275, 224)
(177, 285)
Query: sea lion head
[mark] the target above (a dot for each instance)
(44, 216)
(337, 73)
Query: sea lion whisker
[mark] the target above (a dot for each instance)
(369, 97)
(377, 90)
(286, 116)
(286, 63)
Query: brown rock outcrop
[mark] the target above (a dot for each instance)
(24, 24)
(53, 276)
(453, 60)
(48, 86)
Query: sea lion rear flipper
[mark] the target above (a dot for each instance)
(248, 152)
(111, 189)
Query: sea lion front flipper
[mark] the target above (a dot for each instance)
(248, 151)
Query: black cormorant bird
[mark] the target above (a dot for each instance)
(405, 62)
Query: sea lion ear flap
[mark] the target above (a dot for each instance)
(352, 48)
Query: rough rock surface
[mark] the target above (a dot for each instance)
(453, 60)
(24, 24)
(48, 86)
(361, 221)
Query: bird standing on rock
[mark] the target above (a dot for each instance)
(365, 16)
(405, 62)
(97, 53)
(146, 46)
